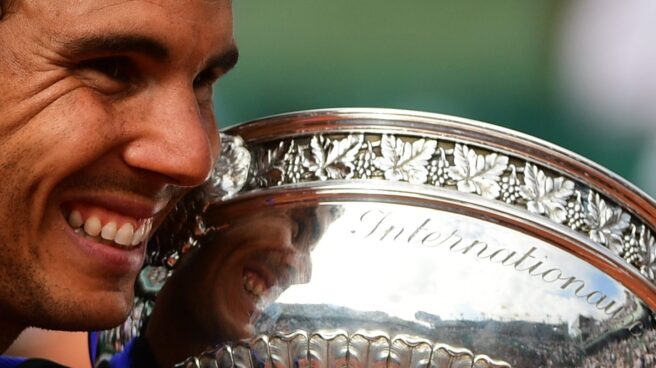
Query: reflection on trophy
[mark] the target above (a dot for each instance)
(386, 238)
(223, 286)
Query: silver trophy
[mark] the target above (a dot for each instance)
(388, 238)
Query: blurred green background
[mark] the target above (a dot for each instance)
(484, 60)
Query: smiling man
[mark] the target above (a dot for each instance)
(106, 119)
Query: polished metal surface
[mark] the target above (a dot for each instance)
(372, 237)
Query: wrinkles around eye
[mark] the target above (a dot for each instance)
(108, 74)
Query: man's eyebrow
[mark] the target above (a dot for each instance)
(144, 45)
(225, 61)
(117, 44)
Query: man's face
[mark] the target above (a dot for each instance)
(105, 118)
(244, 268)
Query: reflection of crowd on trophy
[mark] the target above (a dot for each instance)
(521, 343)
(627, 353)
(556, 355)
(588, 329)
(628, 340)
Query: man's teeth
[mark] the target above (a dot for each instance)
(92, 226)
(254, 284)
(140, 235)
(124, 236)
(75, 219)
(108, 231)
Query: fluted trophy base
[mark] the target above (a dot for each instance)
(338, 348)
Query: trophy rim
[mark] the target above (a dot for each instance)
(468, 131)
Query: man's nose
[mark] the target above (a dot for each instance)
(174, 139)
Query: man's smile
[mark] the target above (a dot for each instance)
(123, 235)
(254, 284)
(266, 274)
(119, 230)
(121, 224)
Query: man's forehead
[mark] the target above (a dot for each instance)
(163, 27)
(94, 5)
(196, 11)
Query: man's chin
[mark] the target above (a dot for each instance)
(229, 331)
(91, 313)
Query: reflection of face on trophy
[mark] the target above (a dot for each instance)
(220, 289)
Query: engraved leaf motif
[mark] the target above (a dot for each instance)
(648, 253)
(333, 159)
(606, 223)
(546, 195)
(267, 168)
(318, 154)
(477, 173)
(404, 160)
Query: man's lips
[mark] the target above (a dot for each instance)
(106, 257)
(111, 232)
(123, 224)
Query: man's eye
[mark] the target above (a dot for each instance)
(203, 86)
(108, 75)
(116, 67)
